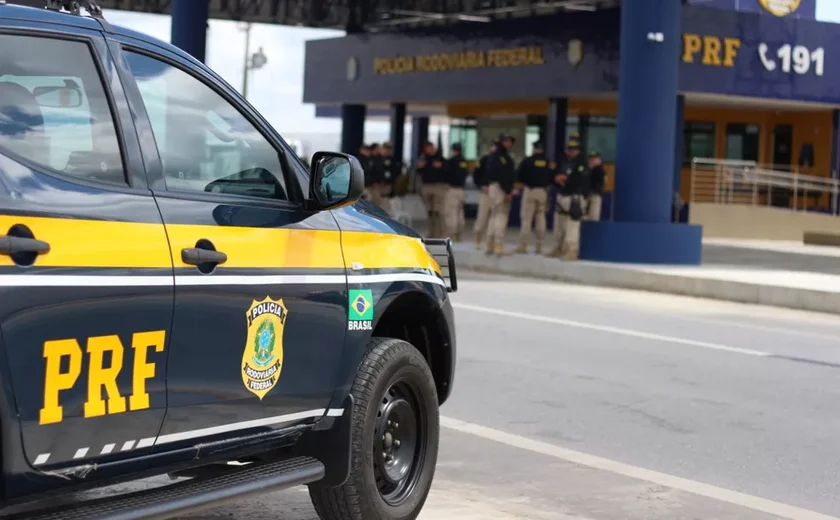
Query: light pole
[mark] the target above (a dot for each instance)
(252, 61)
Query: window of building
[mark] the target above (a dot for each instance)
(532, 135)
(600, 136)
(698, 141)
(537, 128)
(573, 126)
(205, 143)
(53, 109)
(742, 142)
(465, 132)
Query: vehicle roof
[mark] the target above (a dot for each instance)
(34, 14)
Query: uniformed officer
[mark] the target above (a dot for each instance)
(430, 170)
(366, 161)
(571, 184)
(375, 182)
(394, 171)
(597, 180)
(480, 180)
(535, 175)
(456, 178)
(393, 168)
(501, 177)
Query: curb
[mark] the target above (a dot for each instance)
(640, 278)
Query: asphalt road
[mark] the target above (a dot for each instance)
(582, 403)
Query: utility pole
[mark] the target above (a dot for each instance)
(245, 67)
(251, 62)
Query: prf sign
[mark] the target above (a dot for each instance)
(710, 50)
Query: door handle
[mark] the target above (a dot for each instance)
(196, 256)
(10, 245)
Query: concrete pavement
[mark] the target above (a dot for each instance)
(759, 272)
(733, 396)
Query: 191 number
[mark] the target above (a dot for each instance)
(798, 59)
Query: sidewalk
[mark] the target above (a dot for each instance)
(767, 273)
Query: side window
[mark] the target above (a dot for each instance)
(53, 108)
(205, 143)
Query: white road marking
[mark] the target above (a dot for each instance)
(108, 448)
(80, 453)
(584, 459)
(612, 330)
(664, 302)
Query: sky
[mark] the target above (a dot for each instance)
(276, 90)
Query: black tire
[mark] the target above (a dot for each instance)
(389, 364)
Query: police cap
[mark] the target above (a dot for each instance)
(503, 138)
(539, 144)
(456, 147)
(594, 153)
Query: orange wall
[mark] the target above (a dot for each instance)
(808, 127)
(813, 127)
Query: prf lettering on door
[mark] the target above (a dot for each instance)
(100, 377)
(711, 50)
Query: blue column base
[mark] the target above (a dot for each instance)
(641, 243)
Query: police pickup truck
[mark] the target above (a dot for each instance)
(180, 295)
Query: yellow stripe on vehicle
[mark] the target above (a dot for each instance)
(94, 243)
(262, 247)
(383, 251)
(134, 245)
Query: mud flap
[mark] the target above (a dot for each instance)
(333, 447)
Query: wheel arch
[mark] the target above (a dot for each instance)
(420, 319)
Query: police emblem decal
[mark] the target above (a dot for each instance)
(262, 360)
(360, 310)
(780, 7)
(575, 52)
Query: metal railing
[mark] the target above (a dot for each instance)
(722, 181)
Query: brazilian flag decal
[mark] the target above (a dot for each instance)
(361, 305)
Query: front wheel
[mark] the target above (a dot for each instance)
(396, 427)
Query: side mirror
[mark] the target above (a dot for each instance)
(336, 180)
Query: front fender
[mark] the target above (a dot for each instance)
(417, 312)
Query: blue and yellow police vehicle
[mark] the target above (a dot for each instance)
(181, 295)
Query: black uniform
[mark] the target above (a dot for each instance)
(577, 177)
(456, 171)
(500, 169)
(376, 175)
(535, 172)
(597, 179)
(430, 168)
(391, 168)
(480, 172)
(368, 165)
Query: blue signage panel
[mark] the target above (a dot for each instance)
(516, 59)
(724, 52)
(783, 8)
(752, 55)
